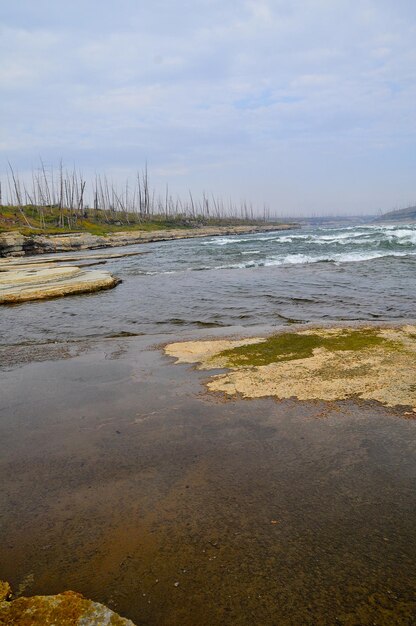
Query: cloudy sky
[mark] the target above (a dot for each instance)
(307, 105)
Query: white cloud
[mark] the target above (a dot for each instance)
(26, 57)
(191, 85)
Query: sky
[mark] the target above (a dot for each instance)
(308, 106)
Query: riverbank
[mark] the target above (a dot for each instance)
(14, 243)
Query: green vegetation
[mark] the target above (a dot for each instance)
(30, 220)
(293, 346)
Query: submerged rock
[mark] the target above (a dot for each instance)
(66, 609)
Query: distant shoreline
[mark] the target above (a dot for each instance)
(16, 244)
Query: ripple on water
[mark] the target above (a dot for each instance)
(301, 275)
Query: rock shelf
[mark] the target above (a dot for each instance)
(28, 282)
(7, 263)
(371, 363)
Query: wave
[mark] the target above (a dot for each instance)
(291, 259)
(305, 259)
(354, 257)
(323, 245)
(234, 239)
(340, 236)
(368, 237)
(369, 234)
(403, 236)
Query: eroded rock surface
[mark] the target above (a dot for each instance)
(372, 363)
(12, 244)
(64, 609)
(28, 282)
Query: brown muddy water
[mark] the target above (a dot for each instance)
(123, 480)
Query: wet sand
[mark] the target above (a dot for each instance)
(124, 480)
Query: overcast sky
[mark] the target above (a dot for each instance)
(307, 105)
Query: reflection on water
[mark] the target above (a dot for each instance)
(122, 482)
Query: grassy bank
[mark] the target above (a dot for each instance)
(30, 220)
(57, 201)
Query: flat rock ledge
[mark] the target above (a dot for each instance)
(14, 243)
(66, 609)
(28, 282)
(329, 364)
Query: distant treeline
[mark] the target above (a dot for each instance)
(63, 197)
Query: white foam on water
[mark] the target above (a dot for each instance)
(286, 239)
(305, 259)
(407, 236)
(355, 257)
(338, 245)
(294, 259)
(224, 241)
(340, 237)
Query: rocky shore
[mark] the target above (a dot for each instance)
(14, 243)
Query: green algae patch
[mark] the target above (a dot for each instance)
(293, 346)
(372, 363)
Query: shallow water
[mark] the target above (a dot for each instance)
(122, 481)
(353, 273)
